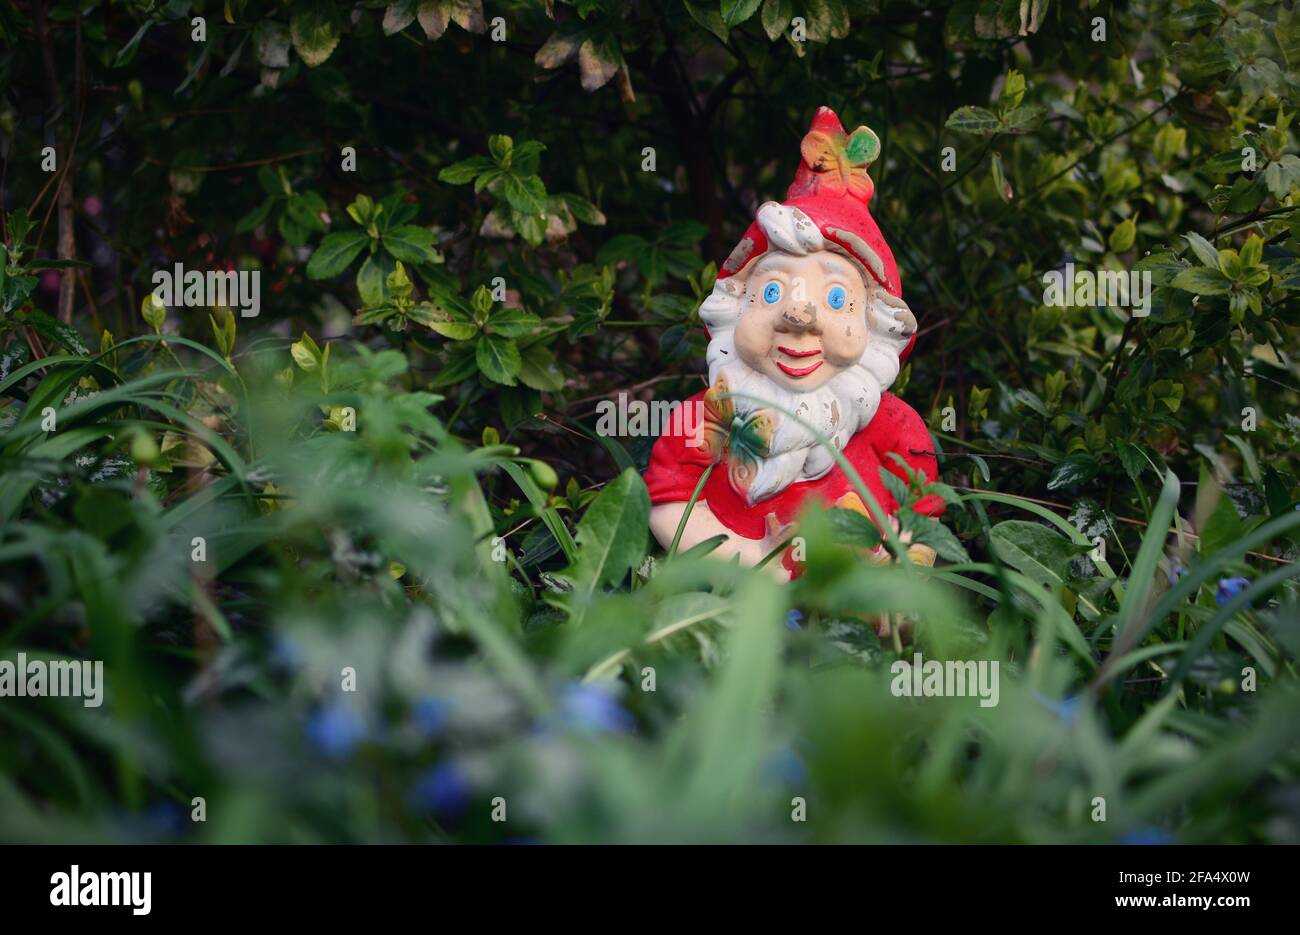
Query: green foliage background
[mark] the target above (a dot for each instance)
(498, 262)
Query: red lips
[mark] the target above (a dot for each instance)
(798, 371)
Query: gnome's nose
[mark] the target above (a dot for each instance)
(798, 320)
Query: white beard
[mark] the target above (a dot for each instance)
(838, 410)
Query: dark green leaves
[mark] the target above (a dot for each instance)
(335, 253)
(671, 252)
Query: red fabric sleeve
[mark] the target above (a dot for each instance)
(675, 467)
(905, 432)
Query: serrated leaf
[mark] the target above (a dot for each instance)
(498, 358)
(970, 119)
(526, 194)
(314, 35)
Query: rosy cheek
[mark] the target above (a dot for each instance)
(846, 342)
(753, 337)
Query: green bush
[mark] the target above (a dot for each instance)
(361, 568)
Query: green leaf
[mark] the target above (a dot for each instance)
(583, 209)
(611, 537)
(57, 331)
(1013, 90)
(153, 312)
(852, 528)
(459, 173)
(335, 253)
(1000, 183)
(735, 12)
(127, 52)
(411, 243)
(1122, 237)
(540, 371)
(1203, 249)
(776, 17)
(306, 353)
(978, 120)
(1074, 470)
(1038, 552)
(314, 35)
(498, 358)
(372, 278)
(526, 194)
(929, 531)
(511, 322)
(1202, 281)
(1024, 118)
(449, 322)
(707, 15)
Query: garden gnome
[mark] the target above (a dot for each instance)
(807, 314)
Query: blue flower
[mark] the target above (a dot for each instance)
(593, 709)
(430, 714)
(443, 790)
(1067, 709)
(335, 730)
(1230, 588)
(1176, 572)
(794, 620)
(285, 652)
(1147, 835)
(784, 767)
(160, 821)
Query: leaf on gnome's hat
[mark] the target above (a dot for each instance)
(864, 147)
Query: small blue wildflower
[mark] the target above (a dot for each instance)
(160, 821)
(443, 790)
(285, 653)
(593, 709)
(1147, 835)
(794, 620)
(784, 767)
(430, 714)
(1067, 709)
(1230, 588)
(1176, 572)
(335, 730)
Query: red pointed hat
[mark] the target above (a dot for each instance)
(832, 187)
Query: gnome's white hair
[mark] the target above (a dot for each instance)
(840, 408)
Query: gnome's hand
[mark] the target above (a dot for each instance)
(775, 534)
(918, 554)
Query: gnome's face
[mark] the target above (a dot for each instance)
(804, 318)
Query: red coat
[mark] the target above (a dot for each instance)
(675, 469)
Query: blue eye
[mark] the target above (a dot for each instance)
(835, 297)
(772, 292)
